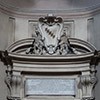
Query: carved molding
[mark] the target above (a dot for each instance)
(82, 12)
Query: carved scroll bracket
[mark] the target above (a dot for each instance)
(88, 81)
(87, 85)
(13, 83)
(10, 79)
(8, 62)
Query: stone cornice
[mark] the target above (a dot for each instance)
(19, 57)
(25, 42)
(74, 13)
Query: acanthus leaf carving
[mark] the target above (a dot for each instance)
(87, 85)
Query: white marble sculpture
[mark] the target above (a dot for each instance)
(51, 40)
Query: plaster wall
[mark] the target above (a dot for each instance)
(4, 27)
(21, 28)
(35, 5)
(96, 36)
(4, 23)
(81, 28)
(97, 31)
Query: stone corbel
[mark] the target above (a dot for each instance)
(87, 85)
(13, 84)
(88, 81)
(10, 80)
(8, 62)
